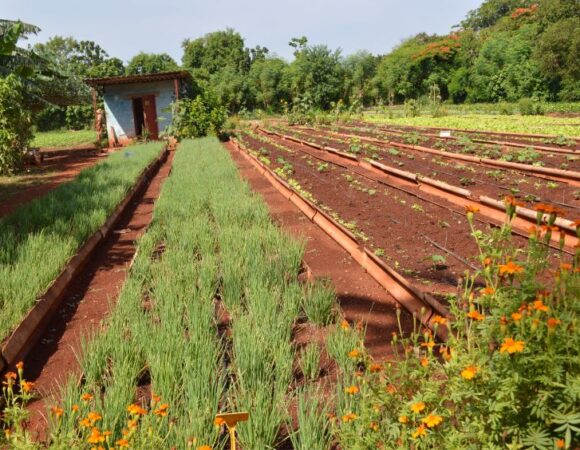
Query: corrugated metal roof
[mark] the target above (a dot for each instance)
(145, 78)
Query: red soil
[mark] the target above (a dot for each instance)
(87, 302)
(54, 171)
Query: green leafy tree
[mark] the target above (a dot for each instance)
(144, 63)
(317, 73)
(269, 80)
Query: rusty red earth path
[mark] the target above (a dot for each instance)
(87, 302)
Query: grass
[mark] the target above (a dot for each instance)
(39, 238)
(10, 185)
(63, 138)
(555, 126)
(219, 247)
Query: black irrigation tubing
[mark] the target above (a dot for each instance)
(488, 222)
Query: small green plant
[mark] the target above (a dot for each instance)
(417, 207)
(319, 302)
(314, 430)
(393, 151)
(310, 361)
(465, 181)
(379, 251)
(438, 261)
(322, 167)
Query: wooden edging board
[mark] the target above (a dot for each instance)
(424, 306)
(31, 328)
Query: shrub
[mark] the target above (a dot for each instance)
(508, 377)
(197, 117)
(530, 107)
(15, 125)
(412, 108)
(79, 117)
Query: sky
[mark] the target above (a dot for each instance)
(126, 27)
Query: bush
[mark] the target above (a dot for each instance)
(509, 375)
(50, 118)
(15, 125)
(197, 118)
(530, 107)
(80, 117)
(412, 108)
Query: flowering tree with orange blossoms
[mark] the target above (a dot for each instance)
(508, 375)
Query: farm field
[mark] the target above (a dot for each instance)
(63, 138)
(226, 339)
(442, 248)
(554, 126)
(45, 233)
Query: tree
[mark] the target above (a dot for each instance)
(144, 63)
(360, 69)
(215, 51)
(557, 54)
(317, 74)
(270, 83)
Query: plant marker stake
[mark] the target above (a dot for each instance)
(231, 420)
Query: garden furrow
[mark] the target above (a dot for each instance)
(39, 239)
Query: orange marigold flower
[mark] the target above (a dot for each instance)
(162, 410)
(136, 409)
(487, 291)
(475, 315)
(132, 423)
(374, 426)
(417, 407)
(403, 419)
(565, 267)
(487, 261)
(539, 306)
(374, 368)
(391, 389)
(345, 325)
(10, 376)
(354, 353)
(560, 443)
(432, 420)
(349, 417)
(27, 386)
(510, 268)
(471, 209)
(86, 397)
(85, 423)
(58, 412)
(122, 443)
(75, 408)
(543, 207)
(19, 365)
(94, 417)
(96, 436)
(440, 320)
(553, 322)
(155, 398)
(352, 390)
(218, 422)
(428, 344)
(421, 431)
(424, 362)
(469, 372)
(516, 316)
(512, 346)
(204, 447)
(511, 200)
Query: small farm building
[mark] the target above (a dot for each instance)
(138, 105)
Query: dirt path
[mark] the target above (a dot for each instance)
(89, 299)
(55, 170)
(360, 296)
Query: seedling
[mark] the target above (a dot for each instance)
(438, 261)
(322, 167)
(417, 207)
